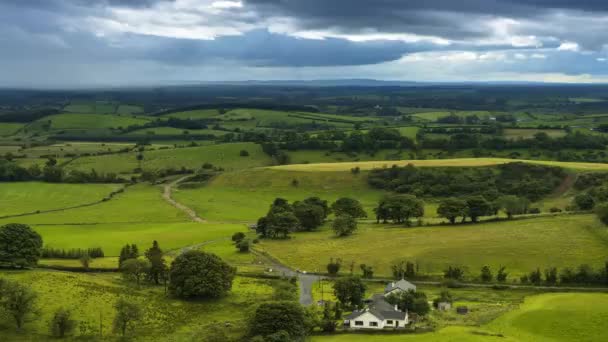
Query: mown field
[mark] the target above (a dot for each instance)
(28, 197)
(521, 246)
(221, 155)
(459, 162)
(91, 297)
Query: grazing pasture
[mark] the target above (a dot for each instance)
(72, 121)
(28, 197)
(138, 203)
(111, 237)
(222, 155)
(91, 297)
(521, 245)
(541, 318)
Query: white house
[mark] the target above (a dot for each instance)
(379, 315)
(396, 287)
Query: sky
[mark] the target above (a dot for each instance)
(84, 43)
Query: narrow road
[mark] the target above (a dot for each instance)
(305, 281)
(168, 188)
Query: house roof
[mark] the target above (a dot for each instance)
(381, 315)
(401, 284)
(380, 309)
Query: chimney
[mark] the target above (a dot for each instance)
(397, 308)
(393, 284)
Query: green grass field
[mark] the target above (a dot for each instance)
(458, 162)
(316, 156)
(91, 297)
(71, 121)
(557, 317)
(111, 237)
(139, 203)
(246, 195)
(223, 155)
(9, 128)
(20, 198)
(521, 246)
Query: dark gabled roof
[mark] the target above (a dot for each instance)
(379, 308)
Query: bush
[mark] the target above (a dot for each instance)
(62, 324)
(555, 210)
(244, 153)
(344, 225)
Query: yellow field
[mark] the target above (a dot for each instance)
(459, 162)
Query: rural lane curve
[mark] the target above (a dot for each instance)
(168, 188)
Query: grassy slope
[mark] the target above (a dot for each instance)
(139, 203)
(8, 128)
(546, 317)
(26, 197)
(460, 162)
(167, 319)
(521, 246)
(111, 237)
(224, 155)
(557, 317)
(246, 195)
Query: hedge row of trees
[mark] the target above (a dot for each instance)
(72, 253)
(520, 179)
(582, 275)
(51, 172)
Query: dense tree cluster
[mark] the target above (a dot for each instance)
(283, 218)
(582, 275)
(521, 179)
(399, 208)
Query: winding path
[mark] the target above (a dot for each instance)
(167, 190)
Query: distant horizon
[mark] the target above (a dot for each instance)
(343, 82)
(77, 44)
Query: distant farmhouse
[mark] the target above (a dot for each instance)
(380, 314)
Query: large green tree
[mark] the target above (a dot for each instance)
(350, 291)
(348, 206)
(478, 206)
(452, 208)
(158, 267)
(310, 216)
(20, 245)
(197, 274)
(399, 208)
(18, 302)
